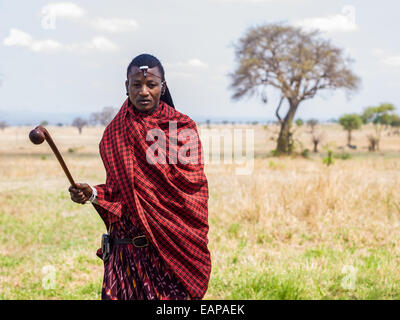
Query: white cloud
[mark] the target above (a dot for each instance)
(18, 38)
(22, 39)
(52, 11)
(115, 24)
(344, 22)
(184, 69)
(196, 63)
(45, 45)
(390, 60)
(63, 10)
(191, 63)
(102, 44)
(95, 44)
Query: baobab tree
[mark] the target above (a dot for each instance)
(297, 63)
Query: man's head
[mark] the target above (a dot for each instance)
(145, 82)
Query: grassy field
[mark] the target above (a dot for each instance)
(293, 229)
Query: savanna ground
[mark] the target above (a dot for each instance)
(293, 229)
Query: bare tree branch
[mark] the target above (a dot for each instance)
(277, 109)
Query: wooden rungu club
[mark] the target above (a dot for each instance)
(37, 136)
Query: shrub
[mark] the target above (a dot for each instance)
(305, 153)
(329, 159)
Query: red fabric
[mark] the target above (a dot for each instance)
(169, 200)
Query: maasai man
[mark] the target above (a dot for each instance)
(154, 200)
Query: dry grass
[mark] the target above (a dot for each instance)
(284, 232)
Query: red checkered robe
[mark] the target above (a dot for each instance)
(168, 202)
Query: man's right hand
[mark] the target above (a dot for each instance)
(81, 193)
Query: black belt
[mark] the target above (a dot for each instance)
(138, 242)
(107, 242)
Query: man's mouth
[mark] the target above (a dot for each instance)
(144, 102)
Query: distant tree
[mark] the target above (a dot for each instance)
(378, 116)
(103, 117)
(316, 138)
(44, 123)
(367, 114)
(395, 120)
(297, 63)
(350, 122)
(395, 124)
(299, 122)
(386, 120)
(312, 123)
(79, 123)
(3, 125)
(94, 118)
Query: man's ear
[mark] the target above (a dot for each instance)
(126, 86)
(163, 87)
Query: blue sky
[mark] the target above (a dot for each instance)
(61, 59)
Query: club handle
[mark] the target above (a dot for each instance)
(58, 155)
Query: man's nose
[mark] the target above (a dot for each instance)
(144, 91)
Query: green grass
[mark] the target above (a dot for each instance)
(294, 229)
(324, 281)
(41, 229)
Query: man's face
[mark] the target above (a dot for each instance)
(144, 92)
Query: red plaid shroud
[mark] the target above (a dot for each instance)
(169, 201)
